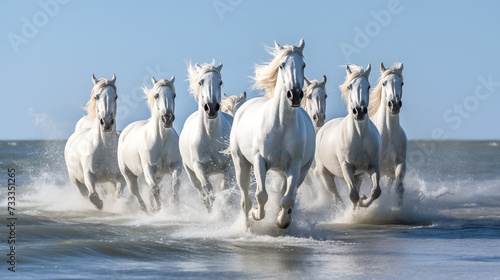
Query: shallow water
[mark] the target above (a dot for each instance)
(448, 227)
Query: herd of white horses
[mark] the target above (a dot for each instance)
(283, 131)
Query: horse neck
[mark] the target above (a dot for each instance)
(209, 126)
(383, 119)
(283, 111)
(357, 128)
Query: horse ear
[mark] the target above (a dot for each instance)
(244, 95)
(324, 80)
(277, 46)
(368, 69)
(198, 66)
(306, 81)
(348, 69)
(94, 79)
(172, 80)
(224, 95)
(153, 80)
(302, 45)
(402, 66)
(219, 68)
(113, 79)
(382, 67)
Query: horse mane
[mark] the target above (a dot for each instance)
(376, 95)
(150, 93)
(267, 74)
(356, 71)
(90, 108)
(195, 73)
(313, 84)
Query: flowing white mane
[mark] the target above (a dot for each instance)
(356, 71)
(313, 84)
(267, 74)
(376, 95)
(92, 102)
(196, 72)
(150, 93)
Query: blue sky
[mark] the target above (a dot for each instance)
(50, 48)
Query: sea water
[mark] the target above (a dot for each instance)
(447, 228)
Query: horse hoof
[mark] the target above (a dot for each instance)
(286, 224)
(96, 201)
(256, 216)
(363, 197)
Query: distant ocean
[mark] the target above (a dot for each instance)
(448, 227)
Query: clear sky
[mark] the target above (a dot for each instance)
(50, 48)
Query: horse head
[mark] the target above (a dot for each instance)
(162, 100)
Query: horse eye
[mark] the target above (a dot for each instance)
(281, 66)
(220, 83)
(96, 97)
(402, 83)
(175, 95)
(349, 87)
(309, 96)
(116, 97)
(304, 66)
(384, 83)
(200, 83)
(369, 87)
(156, 96)
(326, 96)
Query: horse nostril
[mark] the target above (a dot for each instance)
(315, 117)
(390, 104)
(206, 108)
(289, 94)
(365, 110)
(217, 107)
(102, 122)
(301, 94)
(400, 104)
(112, 121)
(355, 111)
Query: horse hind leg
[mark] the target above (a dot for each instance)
(261, 194)
(84, 191)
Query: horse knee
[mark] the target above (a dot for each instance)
(262, 197)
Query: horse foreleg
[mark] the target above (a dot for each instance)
(131, 180)
(84, 191)
(152, 182)
(206, 186)
(242, 170)
(400, 176)
(197, 184)
(119, 186)
(259, 166)
(376, 191)
(294, 178)
(348, 174)
(93, 196)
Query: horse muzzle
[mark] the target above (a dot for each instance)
(168, 120)
(212, 110)
(394, 106)
(295, 96)
(359, 113)
(319, 119)
(107, 126)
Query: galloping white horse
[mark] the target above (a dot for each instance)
(205, 135)
(274, 133)
(385, 104)
(150, 148)
(348, 147)
(315, 101)
(90, 154)
(231, 104)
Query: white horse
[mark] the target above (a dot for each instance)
(385, 104)
(90, 154)
(231, 104)
(274, 133)
(315, 101)
(205, 135)
(150, 148)
(348, 147)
